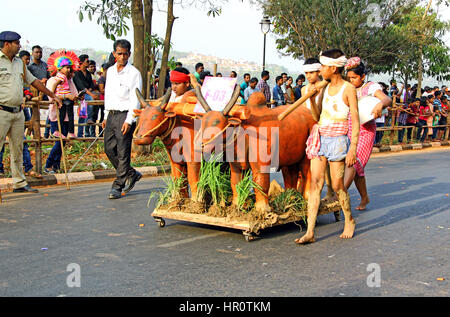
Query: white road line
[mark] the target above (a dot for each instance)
(184, 241)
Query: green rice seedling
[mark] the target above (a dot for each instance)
(214, 182)
(245, 189)
(174, 186)
(202, 186)
(158, 145)
(289, 200)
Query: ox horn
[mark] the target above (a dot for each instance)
(234, 98)
(165, 100)
(203, 103)
(141, 98)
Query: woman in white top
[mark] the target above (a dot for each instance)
(356, 74)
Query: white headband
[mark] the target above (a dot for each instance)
(338, 62)
(311, 67)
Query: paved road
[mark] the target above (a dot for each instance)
(405, 231)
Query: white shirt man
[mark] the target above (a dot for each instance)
(120, 90)
(120, 100)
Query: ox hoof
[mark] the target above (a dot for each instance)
(262, 207)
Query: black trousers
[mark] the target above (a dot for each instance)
(67, 107)
(118, 148)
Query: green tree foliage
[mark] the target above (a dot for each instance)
(112, 16)
(417, 30)
(358, 27)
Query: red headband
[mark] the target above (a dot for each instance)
(178, 77)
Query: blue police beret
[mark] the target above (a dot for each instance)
(9, 36)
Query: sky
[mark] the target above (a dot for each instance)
(235, 34)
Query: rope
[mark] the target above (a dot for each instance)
(172, 124)
(151, 130)
(218, 134)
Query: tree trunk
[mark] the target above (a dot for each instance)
(165, 57)
(148, 14)
(137, 17)
(420, 67)
(420, 73)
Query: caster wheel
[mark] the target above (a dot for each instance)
(160, 222)
(249, 237)
(337, 216)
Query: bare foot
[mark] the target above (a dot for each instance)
(363, 204)
(305, 239)
(349, 229)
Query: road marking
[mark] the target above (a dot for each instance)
(184, 241)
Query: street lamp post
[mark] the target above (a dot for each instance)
(265, 28)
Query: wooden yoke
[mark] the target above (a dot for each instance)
(296, 104)
(187, 109)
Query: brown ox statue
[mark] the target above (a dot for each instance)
(158, 121)
(290, 140)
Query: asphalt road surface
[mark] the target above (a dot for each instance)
(401, 243)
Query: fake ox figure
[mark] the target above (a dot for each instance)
(287, 145)
(159, 121)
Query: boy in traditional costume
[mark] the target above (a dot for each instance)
(312, 73)
(180, 80)
(328, 141)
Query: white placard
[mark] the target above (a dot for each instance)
(217, 92)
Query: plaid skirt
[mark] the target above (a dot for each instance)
(367, 133)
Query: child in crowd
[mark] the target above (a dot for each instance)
(430, 119)
(82, 117)
(63, 64)
(444, 114)
(424, 114)
(436, 118)
(411, 121)
(311, 68)
(407, 117)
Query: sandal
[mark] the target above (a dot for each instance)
(34, 174)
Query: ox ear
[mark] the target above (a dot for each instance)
(234, 121)
(170, 114)
(137, 112)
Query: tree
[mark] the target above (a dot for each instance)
(113, 16)
(358, 27)
(422, 31)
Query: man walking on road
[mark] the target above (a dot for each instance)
(13, 74)
(120, 100)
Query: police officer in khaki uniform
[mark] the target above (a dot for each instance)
(12, 76)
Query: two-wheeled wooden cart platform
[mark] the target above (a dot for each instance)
(250, 229)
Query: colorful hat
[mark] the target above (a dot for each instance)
(62, 58)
